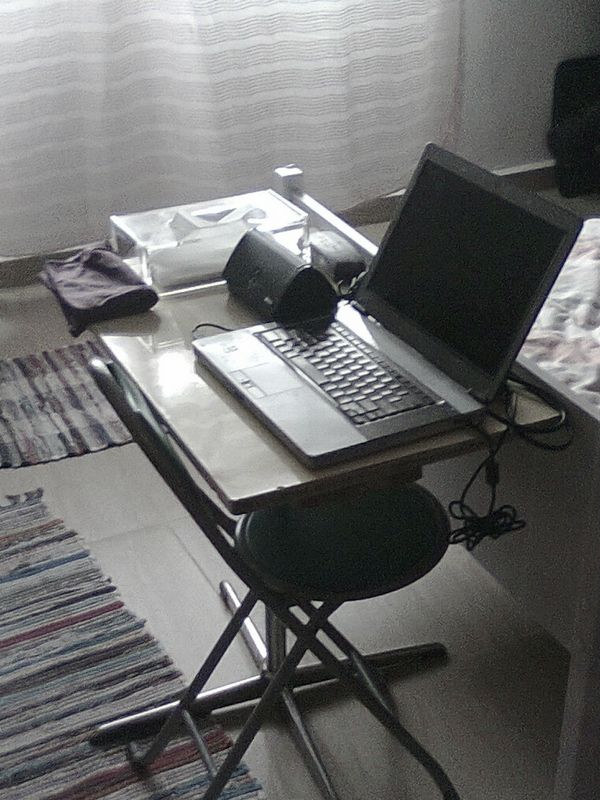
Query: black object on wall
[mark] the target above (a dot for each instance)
(276, 283)
(574, 137)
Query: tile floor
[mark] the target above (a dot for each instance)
(491, 714)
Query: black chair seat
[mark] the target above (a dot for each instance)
(374, 544)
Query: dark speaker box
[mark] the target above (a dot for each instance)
(574, 138)
(276, 283)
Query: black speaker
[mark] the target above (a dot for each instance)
(276, 283)
(574, 138)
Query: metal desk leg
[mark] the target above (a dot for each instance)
(249, 631)
(316, 673)
(276, 650)
(267, 656)
(270, 654)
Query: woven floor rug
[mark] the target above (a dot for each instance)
(50, 407)
(71, 656)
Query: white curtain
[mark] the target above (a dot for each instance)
(112, 106)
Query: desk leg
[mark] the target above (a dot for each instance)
(276, 651)
(268, 656)
(250, 634)
(409, 656)
(146, 723)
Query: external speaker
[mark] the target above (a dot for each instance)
(574, 138)
(276, 283)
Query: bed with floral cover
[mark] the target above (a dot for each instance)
(565, 339)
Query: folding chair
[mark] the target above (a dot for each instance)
(303, 563)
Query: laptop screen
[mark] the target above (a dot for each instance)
(465, 267)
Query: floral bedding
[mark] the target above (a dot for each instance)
(565, 339)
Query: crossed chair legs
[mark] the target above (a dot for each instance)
(353, 672)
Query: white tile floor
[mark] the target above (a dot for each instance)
(491, 715)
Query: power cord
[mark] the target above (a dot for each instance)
(347, 289)
(197, 327)
(554, 434)
(497, 522)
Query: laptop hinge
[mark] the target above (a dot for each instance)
(361, 309)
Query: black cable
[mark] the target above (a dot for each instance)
(552, 434)
(495, 522)
(208, 325)
(346, 290)
(499, 521)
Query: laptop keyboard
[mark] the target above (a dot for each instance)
(359, 379)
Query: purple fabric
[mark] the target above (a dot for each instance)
(95, 285)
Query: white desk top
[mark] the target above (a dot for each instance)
(243, 462)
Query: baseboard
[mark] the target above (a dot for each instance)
(19, 271)
(536, 176)
(25, 270)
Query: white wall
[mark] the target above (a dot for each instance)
(544, 566)
(511, 49)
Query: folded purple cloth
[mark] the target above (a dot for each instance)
(95, 285)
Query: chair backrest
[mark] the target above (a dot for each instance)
(148, 432)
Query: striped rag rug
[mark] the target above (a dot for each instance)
(72, 656)
(50, 407)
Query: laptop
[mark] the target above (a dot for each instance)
(431, 332)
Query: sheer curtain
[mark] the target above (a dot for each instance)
(110, 106)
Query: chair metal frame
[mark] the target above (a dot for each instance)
(279, 668)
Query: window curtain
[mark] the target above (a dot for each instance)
(115, 106)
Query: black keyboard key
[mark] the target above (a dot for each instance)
(368, 405)
(405, 403)
(358, 380)
(351, 407)
(313, 372)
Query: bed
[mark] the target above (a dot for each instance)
(565, 339)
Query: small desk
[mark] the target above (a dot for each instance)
(248, 468)
(245, 464)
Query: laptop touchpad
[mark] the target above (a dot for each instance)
(272, 378)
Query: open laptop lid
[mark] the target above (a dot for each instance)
(464, 268)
